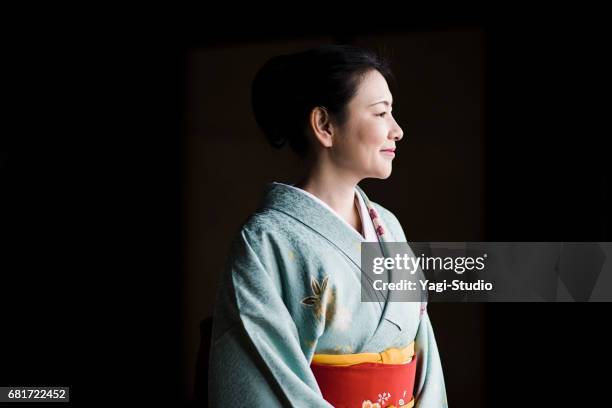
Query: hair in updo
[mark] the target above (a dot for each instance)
(288, 87)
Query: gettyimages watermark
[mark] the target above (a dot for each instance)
(486, 271)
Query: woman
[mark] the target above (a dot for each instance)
(290, 328)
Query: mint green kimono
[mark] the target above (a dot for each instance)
(291, 289)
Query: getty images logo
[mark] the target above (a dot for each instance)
(411, 264)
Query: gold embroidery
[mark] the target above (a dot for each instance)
(323, 301)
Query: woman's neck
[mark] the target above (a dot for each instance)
(335, 190)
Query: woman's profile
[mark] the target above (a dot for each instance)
(290, 326)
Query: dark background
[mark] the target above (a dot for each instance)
(99, 202)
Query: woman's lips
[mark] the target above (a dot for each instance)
(389, 152)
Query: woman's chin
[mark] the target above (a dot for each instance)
(383, 174)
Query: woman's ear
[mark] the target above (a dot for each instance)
(322, 126)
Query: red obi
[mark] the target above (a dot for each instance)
(367, 385)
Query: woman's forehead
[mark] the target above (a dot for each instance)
(373, 89)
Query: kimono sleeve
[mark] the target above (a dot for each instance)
(256, 359)
(430, 390)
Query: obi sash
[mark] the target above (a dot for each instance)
(367, 380)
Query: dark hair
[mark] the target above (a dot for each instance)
(288, 87)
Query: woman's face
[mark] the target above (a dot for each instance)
(370, 132)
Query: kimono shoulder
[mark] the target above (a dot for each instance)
(279, 241)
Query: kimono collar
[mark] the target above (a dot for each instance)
(314, 215)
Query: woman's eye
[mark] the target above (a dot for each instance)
(382, 114)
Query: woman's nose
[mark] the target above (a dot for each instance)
(397, 133)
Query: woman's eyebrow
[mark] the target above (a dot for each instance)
(384, 101)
